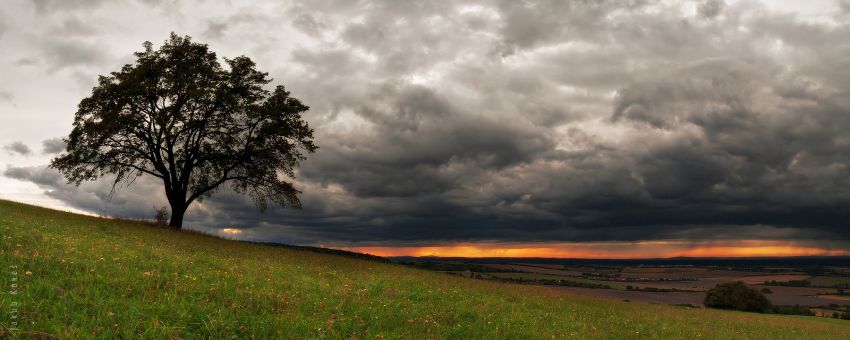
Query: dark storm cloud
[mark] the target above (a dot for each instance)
(52, 146)
(708, 150)
(7, 97)
(711, 8)
(69, 53)
(74, 26)
(26, 62)
(217, 28)
(308, 24)
(37, 175)
(547, 121)
(50, 6)
(3, 26)
(416, 144)
(530, 24)
(17, 148)
(157, 2)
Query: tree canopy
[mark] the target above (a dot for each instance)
(736, 295)
(179, 115)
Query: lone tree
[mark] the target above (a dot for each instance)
(736, 295)
(178, 115)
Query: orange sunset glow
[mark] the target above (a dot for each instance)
(616, 250)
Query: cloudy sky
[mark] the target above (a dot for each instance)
(486, 128)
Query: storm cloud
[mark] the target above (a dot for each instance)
(447, 121)
(6, 97)
(17, 148)
(52, 146)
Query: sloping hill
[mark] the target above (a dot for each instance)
(81, 276)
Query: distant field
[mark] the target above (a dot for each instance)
(83, 277)
(829, 280)
(842, 298)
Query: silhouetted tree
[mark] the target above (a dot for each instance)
(736, 295)
(178, 115)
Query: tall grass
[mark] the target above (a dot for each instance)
(82, 277)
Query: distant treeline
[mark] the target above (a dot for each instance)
(804, 283)
(792, 283)
(553, 282)
(456, 267)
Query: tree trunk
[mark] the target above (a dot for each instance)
(177, 212)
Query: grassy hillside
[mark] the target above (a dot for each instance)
(81, 277)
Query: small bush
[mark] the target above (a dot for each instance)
(161, 216)
(737, 296)
(840, 315)
(766, 290)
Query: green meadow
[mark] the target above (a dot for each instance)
(84, 277)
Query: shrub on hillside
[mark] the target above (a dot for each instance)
(737, 296)
(161, 216)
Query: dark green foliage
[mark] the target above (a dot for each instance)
(792, 283)
(179, 115)
(736, 295)
(161, 216)
(792, 310)
(841, 315)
